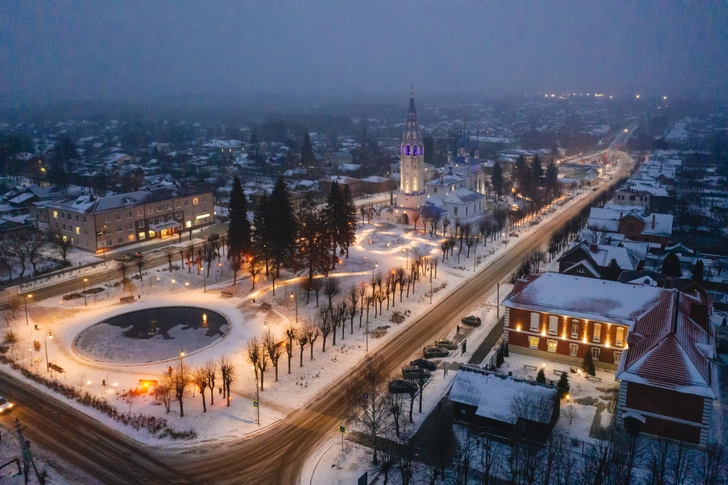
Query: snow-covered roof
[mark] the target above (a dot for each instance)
(670, 350)
(494, 396)
(462, 195)
(586, 298)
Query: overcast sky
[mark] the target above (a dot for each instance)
(139, 50)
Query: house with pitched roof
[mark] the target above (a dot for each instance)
(591, 260)
(668, 380)
(560, 316)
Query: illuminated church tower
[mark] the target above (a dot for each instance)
(412, 154)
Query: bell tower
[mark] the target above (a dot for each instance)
(412, 151)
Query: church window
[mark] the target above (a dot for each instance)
(435, 190)
(407, 150)
(414, 150)
(455, 211)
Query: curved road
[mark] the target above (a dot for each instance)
(277, 454)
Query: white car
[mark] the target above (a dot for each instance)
(5, 405)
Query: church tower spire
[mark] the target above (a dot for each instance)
(412, 149)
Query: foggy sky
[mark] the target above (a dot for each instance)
(133, 50)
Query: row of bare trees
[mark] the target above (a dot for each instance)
(25, 250)
(177, 381)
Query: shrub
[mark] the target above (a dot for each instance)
(588, 364)
(541, 376)
(563, 385)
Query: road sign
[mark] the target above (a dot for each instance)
(255, 404)
(342, 429)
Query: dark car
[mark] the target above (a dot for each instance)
(433, 352)
(471, 320)
(424, 364)
(213, 237)
(400, 386)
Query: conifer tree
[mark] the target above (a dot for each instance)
(282, 223)
(536, 171)
(563, 385)
(671, 266)
(262, 232)
(541, 376)
(588, 363)
(333, 216)
(497, 179)
(239, 228)
(348, 220)
(698, 271)
(307, 156)
(313, 243)
(612, 271)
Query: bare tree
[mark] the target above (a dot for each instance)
(290, 332)
(227, 371)
(236, 264)
(302, 340)
(170, 254)
(659, 457)
(274, 351)
(255, 267)
(140, 265)
(372, 415)
(199, 379)
(254, 349)
(262, 365)
(312, 333)
(316, 285)
(180, 381)
(331, 289)
(210, 374)
(394, 406)
(325, 326)
(164, 392)
(34, 243)
(15, 244)
(61, 244)
(353, 300)
(713, 465)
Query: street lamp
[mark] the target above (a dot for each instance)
(45, 343)
(85, 300)
(173, 282)
(25, 299)
(295, 299)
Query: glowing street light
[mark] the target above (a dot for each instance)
(45, 342)
(295, 299)
(85, 300)
(26, 296)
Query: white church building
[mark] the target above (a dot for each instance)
(449, 196)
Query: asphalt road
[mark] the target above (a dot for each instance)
(278, 454)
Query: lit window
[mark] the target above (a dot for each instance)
(130, 237)
(533, 342)
(575, 329)
(552, 345)
(78, 230)
(55, 214)
(195, 201)
(142, 236)
(188, 224)
(620, 337)
(152, 233)
(595, 353)
(534, 322)
(597, 332)
(573, 350)
(553, 325)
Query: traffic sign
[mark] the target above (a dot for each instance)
(342, 429)
(255, 404)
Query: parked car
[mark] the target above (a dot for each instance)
(5, 405)
(433, 352)
(400, 386)
(424, 364)
(414, 372)
(471, 320)
(213, 237)
(446, 344)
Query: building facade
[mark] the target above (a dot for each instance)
(559, 316)
(102, 223)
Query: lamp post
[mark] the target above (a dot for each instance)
(257, 397)
(45, 343)
(85, 299)
(25, 299)
(295, 299)
(173, 282)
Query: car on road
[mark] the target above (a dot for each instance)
(446, 344)
(432, 351)
(5, 405)
(130, 256)
(424, 364)
(400, 386)
(471, 320)
(414, 372)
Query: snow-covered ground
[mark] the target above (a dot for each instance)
(381, 247)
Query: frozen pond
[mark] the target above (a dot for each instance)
(150, 335)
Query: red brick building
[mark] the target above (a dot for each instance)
(667, 379)
(559, 316)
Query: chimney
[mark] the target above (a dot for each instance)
(668, 282)
(699, 314)
(653, 221)
(593, 248)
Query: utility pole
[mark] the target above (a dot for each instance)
(27, 455)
